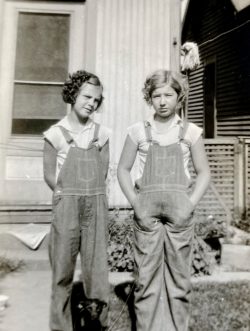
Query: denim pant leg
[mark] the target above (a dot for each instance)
(94, 239)
(178, 257)
(150, 294)
(63, 249)
(178, 253)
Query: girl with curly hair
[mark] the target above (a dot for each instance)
(76, 159)
(163, 202)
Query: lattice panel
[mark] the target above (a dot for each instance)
(218, 202)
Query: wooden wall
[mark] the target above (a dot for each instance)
(223, 36)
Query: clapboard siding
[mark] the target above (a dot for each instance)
(133, 39)
(195, 97)
(205, 21)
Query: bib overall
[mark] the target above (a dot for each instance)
(163, 253)
(79, 225)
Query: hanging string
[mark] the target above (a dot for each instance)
(224, 33)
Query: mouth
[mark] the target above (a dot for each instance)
(88, 110)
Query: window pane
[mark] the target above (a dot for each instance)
(42, 47)
(38, 101)
(34, 127)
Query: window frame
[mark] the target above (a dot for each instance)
(77, 13)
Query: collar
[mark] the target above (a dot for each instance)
(66, 124)
(176, 120)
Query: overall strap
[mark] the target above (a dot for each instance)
(96, 134)
(148, 132)
(67, 136)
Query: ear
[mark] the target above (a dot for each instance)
(104, 304)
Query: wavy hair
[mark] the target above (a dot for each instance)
(72, 85)
(162, 77)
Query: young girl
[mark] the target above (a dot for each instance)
(163, 230)
(76, 158)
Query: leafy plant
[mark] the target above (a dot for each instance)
(8, 265)
(120, 254)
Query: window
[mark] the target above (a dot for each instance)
(41, 67)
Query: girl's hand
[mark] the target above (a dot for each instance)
(136, 206)
(144, 222)
(184, 213)
(147, 223)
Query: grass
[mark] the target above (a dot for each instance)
(214, 307)
(220, 306)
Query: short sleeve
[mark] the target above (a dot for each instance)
(137, 133)
(54, 136)
(104, 135)
(193, 133)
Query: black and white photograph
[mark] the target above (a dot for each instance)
(124, 165)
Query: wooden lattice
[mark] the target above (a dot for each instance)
(217, 205)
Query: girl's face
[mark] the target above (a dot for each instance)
(87, 100)
(164, 100)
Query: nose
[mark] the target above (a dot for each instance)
(91, 102)
(163, 100)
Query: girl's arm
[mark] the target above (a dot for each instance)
(105, 157)
(125, 165)
(202, 169)
(49, 164)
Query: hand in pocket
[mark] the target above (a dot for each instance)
(185, 210)
(147, 223)
(139, 213)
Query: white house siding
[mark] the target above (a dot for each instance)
(133, 39)
(127, 40)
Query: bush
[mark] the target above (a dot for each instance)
(9, 265)
(120, 254)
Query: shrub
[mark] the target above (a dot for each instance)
(120, 255)
(8, 265)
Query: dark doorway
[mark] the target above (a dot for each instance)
(209, 100)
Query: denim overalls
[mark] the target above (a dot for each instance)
(79, 225)
(163, 253)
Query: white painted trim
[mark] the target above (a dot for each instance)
(9, 13)
(36, 82)
(184, 8)
(240, 4)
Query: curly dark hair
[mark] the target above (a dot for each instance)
(72, 85)
(162, 77)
